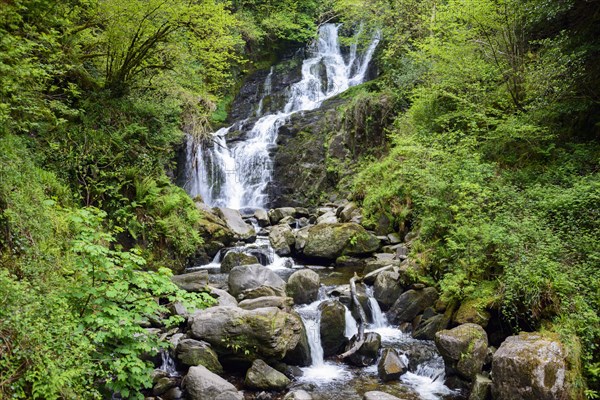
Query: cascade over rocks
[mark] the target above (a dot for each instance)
(329, 241)
(368, 352)
(303, 286)
(251, 280)
(332, 328)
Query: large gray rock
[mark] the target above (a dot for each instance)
(327, 218)
(192, 282)
(262, 217)
(481, 388)
(223, 297)
(411, 303)
(464, 349)
(298, 395)
(376, 395)
(303, 286)
(278, 214)
(329, 241)
(283, 303)
(201, 384)
(192, 353)
(235, 222)
(234, 259)
(386, 289)
(262, 377)
(262, 333)
(368, 352)
(333, 327)
(391, 366)
(250, 277)
(531, 366)
(282, 239)
(428, 327)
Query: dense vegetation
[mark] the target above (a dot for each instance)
(492, 158)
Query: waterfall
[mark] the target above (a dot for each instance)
(379, 318)
(236, 175)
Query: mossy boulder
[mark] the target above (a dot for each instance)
(234, 259)
(262, 377)
(303, 286)
(329, 241)
(411, 303)
(332, 327)
(471, 311)
(282, 239)
(257, 278)
(192, 353)
(464, 350)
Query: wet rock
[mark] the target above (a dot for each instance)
(464, 349)
(428, 327)
(192, 353)
(368, 353)
(386, 289)
(333, 327)
(481, 389)
(250, 277)
(532, 366)
(329, 241)
(303, 286)
(375, 395)
(234, 259)
(283, 303)
(262, 218)
(343, 294)
(192, 282)
(278, 214)
(235, 222)
(261, 376)
(163, 385)
(268, 333)
(411, 303)
(471, 311)
(201, 384)
(327, 218)
(298, 395)
(391, 366)
(282, 239)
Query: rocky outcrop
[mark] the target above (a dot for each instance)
(192, 282)
(192, 353)
(234, 259)
(464, 350)
(329, 241)
(268, 333)
(252, 281)
(262, 377)
(411, 303)
(333, 326)
(532, 366)
(201, 384)
(303, 286)
(391, 366)
(282, 239)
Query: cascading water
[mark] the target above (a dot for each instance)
(237, 176)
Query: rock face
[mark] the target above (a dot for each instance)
(234, 259)
(386, 289)
(411, 303)
(201, 384)
(261, 376)
(192, 353)
(329, 241)
(332, 327)
(532, 367)
(192, 282)
(268, 333)
(303, 286)
(464, 349)
(391, 366)
(247, 278)
(234, 221)
(367, 353)
(282, 239)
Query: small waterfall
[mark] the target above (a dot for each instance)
(379, 318)
(168, 364)
(351, 326)
(237, 176)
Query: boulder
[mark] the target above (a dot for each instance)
(192, 352)
(367, 353)
(234, 259)
(329, 241)
(262, 217)
(333, 327)
(376, 395)
(283, 303)
(163, 385)
(303, 286)
(348, 212)
(201, 384)
(249, 277)
(394, 238)
(192, 282)
(344, 296)
(262, 377)
(223, 297)
(301, 238)
(264, 332)
(481, 389)
(464, 350)
(470, 311)
(532, 366)
(386, 289)
(282, 239)
(375, 264)
(391, 366)
(278, 214)
(234, 221)
(298, 395)
(428, 327)
(411, 303)
(327, 218)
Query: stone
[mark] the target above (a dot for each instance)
(532, 366)
(223, 297)
(301, 238)
(391, 366)
(282, 239)
(163, 385)
(375, 264)
(192, 282)
(249, 277)
(394, 238)
(329, 241)
(386, 289)
(427, 328)
(234, 259)
(411, 303)
(367, 353)
(268, 333)
(327, 218)
(348, 212)
(172, 394)
(192, 352)
(283, 303)
(470, 311)
(302, 212)
(235, 222)
(261, 376)
(298, 395)
(278, 214)
(481, 388)
(376, 395)
(332, 327)
(201, 384)
(303, 286)
(464, 350)
(262, 217)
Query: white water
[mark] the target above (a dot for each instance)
(237, 176)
